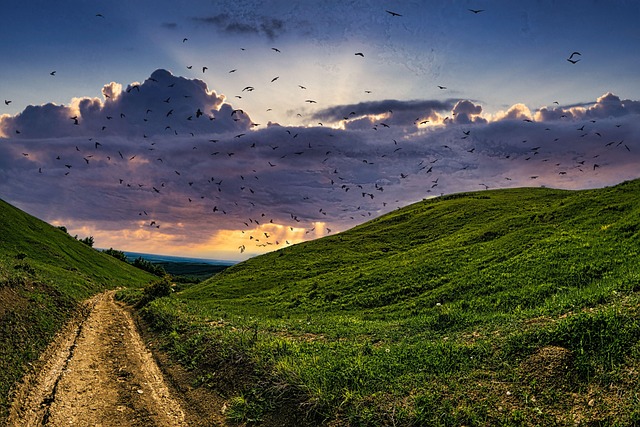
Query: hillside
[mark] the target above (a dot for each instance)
(500, 307)
(44, 274)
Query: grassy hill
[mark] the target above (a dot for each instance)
(502, 307)
(44, 274)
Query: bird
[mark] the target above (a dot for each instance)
(53, 73)
(359, 54)
(476, 11)
(441, 87)
(574, 53)
(275, 50)
(184, 39)
(204, 69)
(392, 13)
(7, 102)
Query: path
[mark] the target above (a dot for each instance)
(98, 372)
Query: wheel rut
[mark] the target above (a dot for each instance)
(97, 372)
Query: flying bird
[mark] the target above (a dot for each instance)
(392, 13)
(476, 11)
(359, 54)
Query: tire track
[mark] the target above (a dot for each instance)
(98, 372)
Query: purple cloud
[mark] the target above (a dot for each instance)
(222, 183)
(466, 112)
(162, 104)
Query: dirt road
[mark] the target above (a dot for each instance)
(98, 372)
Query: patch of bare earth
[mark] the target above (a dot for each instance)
(98, 372)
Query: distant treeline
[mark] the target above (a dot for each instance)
(139, 262)
(180, 271)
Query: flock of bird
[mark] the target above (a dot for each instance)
(248, 181)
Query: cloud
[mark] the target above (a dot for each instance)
(227, 186)
(466, 112)
(606, 106)
(169, 25)
(162, 104)
(515, 112)
(396, 112)
(271, 27)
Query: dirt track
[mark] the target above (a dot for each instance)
(98, 372)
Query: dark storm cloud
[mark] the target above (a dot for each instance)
(403, 112)
(268, 26)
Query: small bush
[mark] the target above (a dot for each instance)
(145, 265)
(241, 410)
(158, 289)
(87, 241)
(116, 254)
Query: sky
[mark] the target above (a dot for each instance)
(226, 129)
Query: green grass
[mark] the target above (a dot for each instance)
(506, 307)
(44, 274)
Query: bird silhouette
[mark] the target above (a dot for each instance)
(476, 11)
(392, 13)
(359, 54)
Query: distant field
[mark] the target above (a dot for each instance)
(198, 268)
